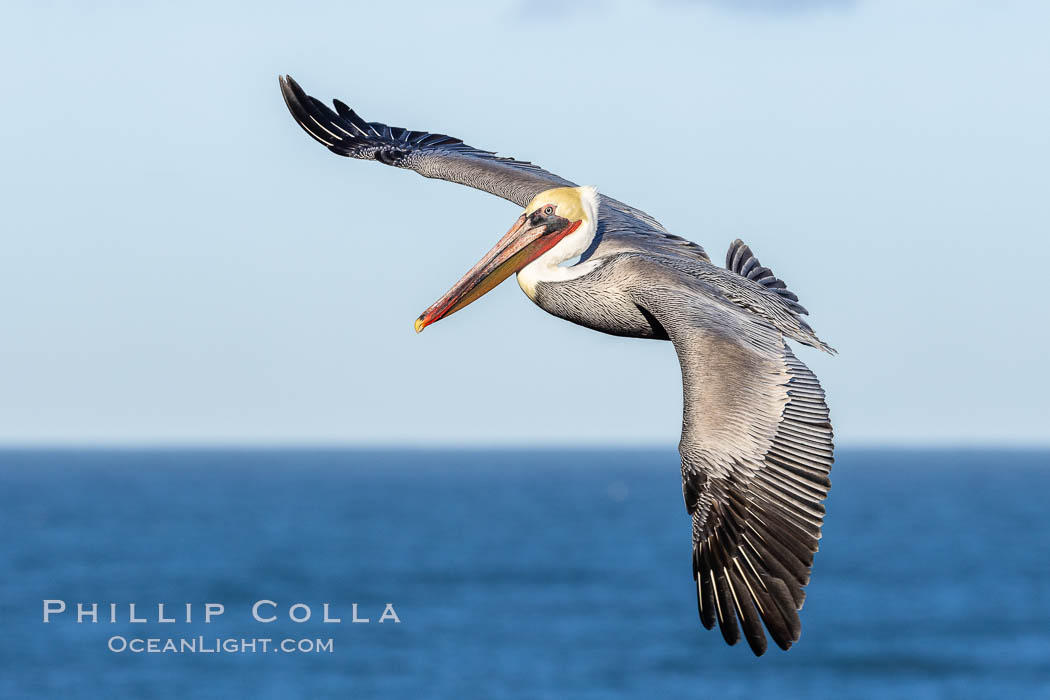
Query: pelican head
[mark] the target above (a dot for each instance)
(557, 225)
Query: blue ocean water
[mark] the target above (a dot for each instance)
(546, 573)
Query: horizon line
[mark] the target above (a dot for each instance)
(350, 446)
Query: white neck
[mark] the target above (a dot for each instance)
(548, 267)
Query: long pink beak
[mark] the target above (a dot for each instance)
(524, 242)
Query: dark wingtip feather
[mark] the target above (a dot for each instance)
(291, 90)
(742, 260)
(705, 599)
(282, 80)
(792, 630)
(296, 100)
(727, 622)
(341, 108)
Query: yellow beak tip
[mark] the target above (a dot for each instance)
(420, 325)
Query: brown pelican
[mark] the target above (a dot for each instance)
(756, 438)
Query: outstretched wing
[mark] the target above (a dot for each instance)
(756, 453)
(431, 155)
(342, 131)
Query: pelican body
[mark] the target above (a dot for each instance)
(756, 443)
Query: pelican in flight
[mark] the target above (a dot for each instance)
(756, 442)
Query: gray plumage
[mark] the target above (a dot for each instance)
(756, 442)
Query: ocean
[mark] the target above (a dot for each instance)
(510, 574)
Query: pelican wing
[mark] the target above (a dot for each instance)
(430, 155)
(756, 453)
(343, 132)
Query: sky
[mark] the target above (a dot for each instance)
(180, 264)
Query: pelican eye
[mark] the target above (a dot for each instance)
(548, 210)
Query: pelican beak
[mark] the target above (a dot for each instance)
(529, 238)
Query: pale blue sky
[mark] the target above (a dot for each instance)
(181, 264)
